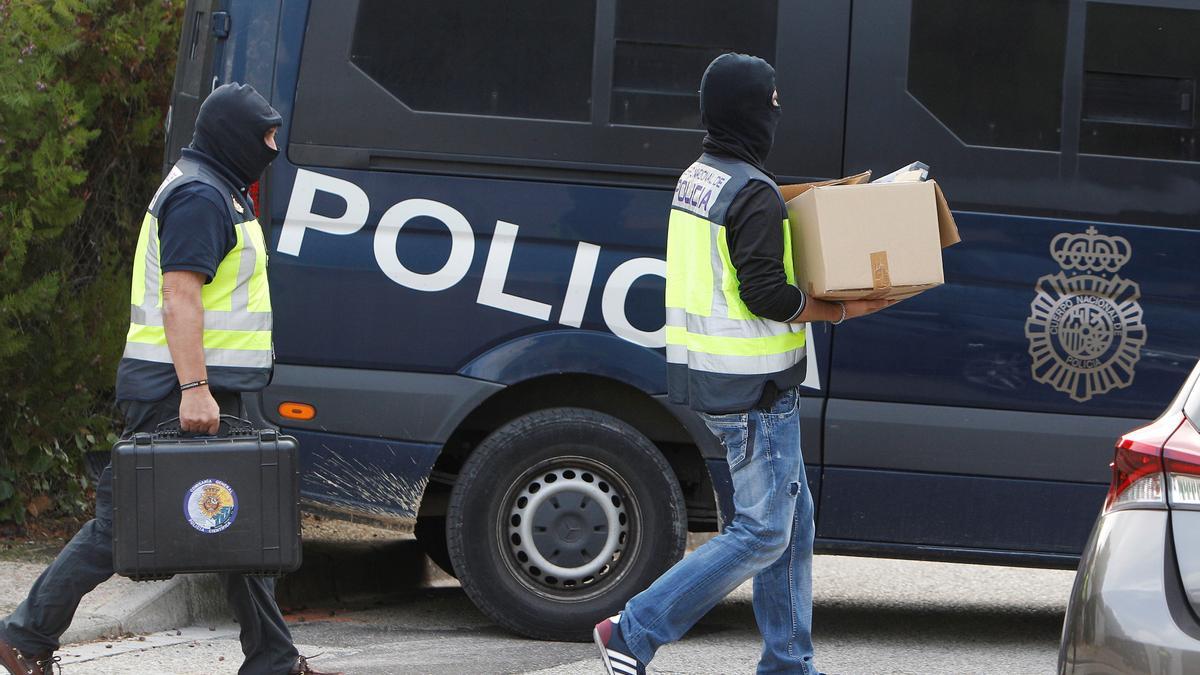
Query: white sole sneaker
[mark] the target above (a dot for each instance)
(603, 652)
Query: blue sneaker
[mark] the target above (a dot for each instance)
(618, 660)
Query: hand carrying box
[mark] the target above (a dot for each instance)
(206, 504)
(854, 240)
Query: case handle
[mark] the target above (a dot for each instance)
(226, 420)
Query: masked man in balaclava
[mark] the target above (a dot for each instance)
(189, 355)
(736, 355)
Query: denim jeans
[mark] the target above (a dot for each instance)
(770, 539)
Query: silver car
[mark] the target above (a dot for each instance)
(1136, 598)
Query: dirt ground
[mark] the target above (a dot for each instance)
(36, 541)
(322, 527)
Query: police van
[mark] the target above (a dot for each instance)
(467, 227)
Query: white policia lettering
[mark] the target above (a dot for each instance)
(300, 219)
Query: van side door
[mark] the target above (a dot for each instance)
(981, 415)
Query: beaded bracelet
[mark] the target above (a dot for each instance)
(843, 306)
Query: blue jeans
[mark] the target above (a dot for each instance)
(770, 539)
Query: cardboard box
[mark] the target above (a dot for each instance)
(854, 240)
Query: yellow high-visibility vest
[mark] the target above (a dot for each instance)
(719, 353)
(238, 351)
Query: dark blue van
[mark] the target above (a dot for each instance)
(467, 227)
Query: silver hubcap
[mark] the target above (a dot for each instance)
(567, 528)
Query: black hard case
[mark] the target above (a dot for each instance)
(152, 476)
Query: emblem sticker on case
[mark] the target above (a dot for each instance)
(210, 506)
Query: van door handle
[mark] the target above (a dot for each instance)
(221, 23)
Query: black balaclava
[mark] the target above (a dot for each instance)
(230, 129)
(736, 107)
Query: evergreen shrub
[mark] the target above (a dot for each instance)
(84, 90)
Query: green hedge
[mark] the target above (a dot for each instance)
(84, 89)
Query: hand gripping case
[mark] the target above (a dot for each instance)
(206, 504)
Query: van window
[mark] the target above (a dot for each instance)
(603, 92)
(480, 57)
(1139, 88)
(991, 71)
(659, 52)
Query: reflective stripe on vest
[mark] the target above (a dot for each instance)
(709, 327)
(237, 303)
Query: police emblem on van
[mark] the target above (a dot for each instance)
(1085, 327)
(210, 506)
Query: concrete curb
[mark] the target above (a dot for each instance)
(152, 606)
(332, 574)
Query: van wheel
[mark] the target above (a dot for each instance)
(430, 532)
(559, 517)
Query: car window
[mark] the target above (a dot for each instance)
(1082, 110)
(481, 58)
(603, 92)
(991, 71)
(1139, 86)
(659, 51)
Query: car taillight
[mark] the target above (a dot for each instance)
(1181, 455)
(254, 197)
(1138, 466)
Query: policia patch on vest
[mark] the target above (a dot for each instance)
(699, 187)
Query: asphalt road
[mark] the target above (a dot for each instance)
(870, 616)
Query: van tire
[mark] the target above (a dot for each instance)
(590, 460)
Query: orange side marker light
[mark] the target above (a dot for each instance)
(296, 411)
